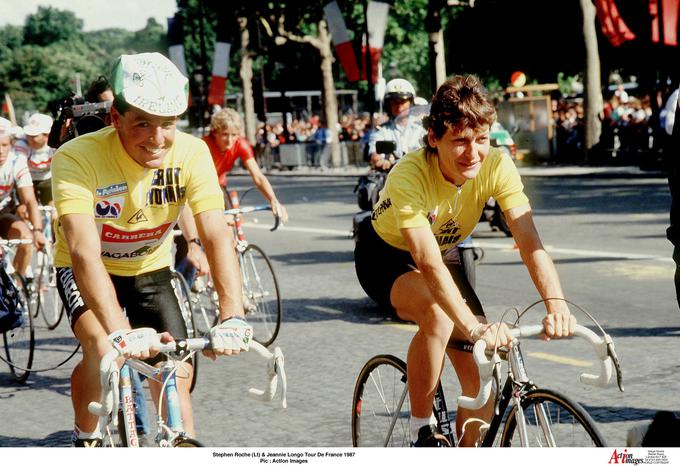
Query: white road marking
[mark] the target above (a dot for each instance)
(506, 246)
(327, 310)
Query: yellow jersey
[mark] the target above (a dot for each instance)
(416, 194)
(135, 208)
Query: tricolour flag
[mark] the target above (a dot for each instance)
(376, 16)
(220, 69)
(341, 40)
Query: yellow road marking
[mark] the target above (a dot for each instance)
(560, 359)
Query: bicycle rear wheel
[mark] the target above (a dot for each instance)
(183, 294)
(380, 406)
(20, 342)
(261, 298)
(552, 419)
(48, 296)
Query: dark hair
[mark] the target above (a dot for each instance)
(97, 86)
(120, 104)
(460, 102)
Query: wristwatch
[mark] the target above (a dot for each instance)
(195, 240)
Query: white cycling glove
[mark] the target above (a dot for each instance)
(232, 334)
(136, 341)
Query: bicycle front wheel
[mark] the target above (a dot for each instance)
(261, 298)
(20, 342)
(183, 295)
(552, 420)
(48, 296)
(380, 406)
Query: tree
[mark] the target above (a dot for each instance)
(51, 25)
(593, 92)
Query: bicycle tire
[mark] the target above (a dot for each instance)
(377, 394)
(262, 300)
(19, 343)
(183, 294)
(567, 418)
(49, 302)
(184, 442)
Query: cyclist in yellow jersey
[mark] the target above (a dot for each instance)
(119, 192)
(432, 200)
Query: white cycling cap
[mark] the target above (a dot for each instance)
(39, 123)
(152, 83)
(5, 127)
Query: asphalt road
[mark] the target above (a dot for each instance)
(606, 235)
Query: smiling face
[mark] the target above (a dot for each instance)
(461, 152)
(145, 137)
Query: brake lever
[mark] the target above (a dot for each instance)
(277, 221)
(497, 382)
(615, 359)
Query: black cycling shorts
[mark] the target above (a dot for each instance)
(149, 300)
(378, 265)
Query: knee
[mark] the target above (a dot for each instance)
(435, 322)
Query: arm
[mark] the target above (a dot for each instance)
(559, 321)
(428, 259)
(219, 247)
(93, 280)
(27, 197)
(263, 185)
(195, 254)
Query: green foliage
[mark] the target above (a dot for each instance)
(40, 61)
(51, 25)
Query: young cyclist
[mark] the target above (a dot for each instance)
(119, 191)
(432, 200)
(14, 174)
(38, 154)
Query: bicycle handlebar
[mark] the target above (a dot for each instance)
(109, 373)
(15, 242)
(257, 208)
(604, 349)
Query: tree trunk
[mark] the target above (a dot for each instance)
(330, 103)
(592, 82)
(246, 73)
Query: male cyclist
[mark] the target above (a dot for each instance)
(119, 191)
(38, 154)
(14, 174)
(432, 200)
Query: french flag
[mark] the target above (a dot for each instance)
(341, 40)
(218, 82)
(176, 45)
(376, 17)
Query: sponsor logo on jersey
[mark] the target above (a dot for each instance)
(138, 217)
(382, 207)
(166, 187)
(112, 190)
(141, 252)
(109, 208)
(111, 234)
(449, 233)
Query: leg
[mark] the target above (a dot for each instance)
(19, 230)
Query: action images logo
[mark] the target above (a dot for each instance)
(652, 457)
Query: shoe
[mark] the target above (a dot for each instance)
(88, 443)
(429, 437)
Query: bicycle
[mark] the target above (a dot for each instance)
(261, 297)
(49, 303)
(19, 343)
(528, 415)
(117, 393)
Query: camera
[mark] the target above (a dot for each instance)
(74, 116)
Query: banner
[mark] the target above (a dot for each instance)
(376, 16)
(613, 26)
(220, 69)
(341, 40)
(669, 17)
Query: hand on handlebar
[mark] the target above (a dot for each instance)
(230, 337)
(140, 343)
(279, 211)
(559, 322)
(495, 334)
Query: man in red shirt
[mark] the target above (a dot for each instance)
(226, 145)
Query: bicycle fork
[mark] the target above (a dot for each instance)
(521, 379)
